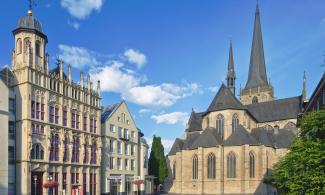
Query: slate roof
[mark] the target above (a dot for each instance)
(257, 71)
(207, 139)
(177, 146)
(225, 99)
(281, 109)
(191, 137)
(240, 137)
(195, 122)
(107, 111)
(56, 71)
(263, 136)
(30, 22)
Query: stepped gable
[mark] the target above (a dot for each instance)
(240, 137)
(276, 110)
(207, 139)
(195, 122)
(225, 99)
(177, 146)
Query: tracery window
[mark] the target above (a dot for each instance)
(86, 151)
(231, 165)
(174, 170)
(54, 148)
(195, 167)
(37, 107)
(37, 152)
(75, 149)
(65, 117)
(54, 114)
(220, 125)
(19, 46)
(66, 149)
(93, 153)
(211, 166)
(235, 122)
(75, 121)
(251, 165)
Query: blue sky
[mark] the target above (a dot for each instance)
(166, 57)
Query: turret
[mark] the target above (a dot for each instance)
(231, 76)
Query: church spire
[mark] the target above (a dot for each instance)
(257, 72)
(231, 77)
(304, 89)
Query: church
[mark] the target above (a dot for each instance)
(232, 146)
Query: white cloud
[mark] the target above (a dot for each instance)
(144, 110)
(136, 57)
(82, 8)
(171, 118)
(75, 25)
(78, 57)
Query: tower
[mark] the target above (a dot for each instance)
(257, 88)
(30, 42)
(231, 76)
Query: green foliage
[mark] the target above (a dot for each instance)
(302, 170)
(157, 161)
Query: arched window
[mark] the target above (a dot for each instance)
(289, 125)
(235, 122)
(231, 165)
(174, 170)
(38, 48)
(195, 167)
(251, 165)
(86, 151)
(54, 148)
(19, 46)
(220, 125)
(93, 153)
(211, 166)
(75, 149)
(66, 150)
(37, 152)
(27, 45)
(255, 100)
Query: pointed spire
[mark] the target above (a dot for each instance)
(304, 89)
(257, 71)
(231, 77)
(69, 73)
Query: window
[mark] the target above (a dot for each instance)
(93, 153)
(255, 100)
(38, 48)
(126, 149)
(111, 146)
(86, 152)
(27, 45)
(64, 181)
(54, 147)
(11, 154)
(174, 170)
(12, 106)
(85, 122)
(112, 128)
(231, 165)
(126, 133)
(84, 182)
(11, 130)
(132, 134)
(95, 125)
(126, 164)
(65, 117)
(75, 149)
(75, 120)
(132, 150)
(37, 152)
(54, 114)
(195, 167)
(119, 147)
(111, 162)
(220, 125)
(119, 132)
(235, 122)
(91, 124)
(119, 166)
(132, 165)
(65, 154)
(37, 129)
(19, 46)
(211, 166)
(251, 165)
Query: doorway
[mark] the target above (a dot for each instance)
(36, 183)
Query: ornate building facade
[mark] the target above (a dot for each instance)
(230, 147)
(57, 120)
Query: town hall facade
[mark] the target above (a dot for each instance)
(230, 147)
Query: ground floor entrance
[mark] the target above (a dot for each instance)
(115, 186)
(37, 183)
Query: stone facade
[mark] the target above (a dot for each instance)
(57, 120)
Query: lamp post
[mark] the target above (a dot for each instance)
(64, 184)
(35, 183)
(50, 180)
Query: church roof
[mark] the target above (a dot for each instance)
(240, 137)
(30, 22)
(56, 71)
(275, 110)
(195, 122)
(191, 137)
(263, 136)
(225, 99)
(257, 71)
(207, 139)
(177, 146)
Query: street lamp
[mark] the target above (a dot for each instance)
(64, 184)
(50, 178)
(35, 182)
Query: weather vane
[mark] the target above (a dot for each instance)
(31, 4)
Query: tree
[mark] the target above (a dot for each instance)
(157, 161)
(302, 170)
